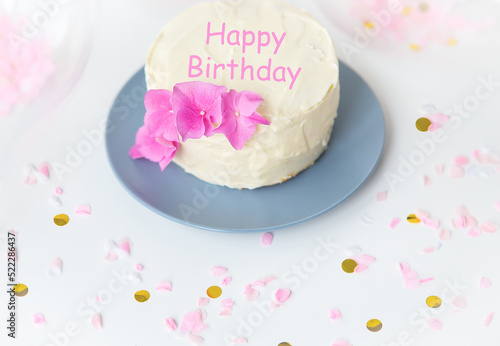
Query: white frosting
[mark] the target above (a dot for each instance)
(301, 117)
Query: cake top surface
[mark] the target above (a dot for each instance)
(269, 47)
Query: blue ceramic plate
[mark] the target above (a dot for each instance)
(353, 153)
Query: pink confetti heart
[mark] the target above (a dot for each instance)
(38, 318)
(96, 321)
(489, 227)
(267, 239)
(282, 295)
(218, 271)
(170, 324)
(164, 286)
(83, 210)
(484, 283)
(335, 314)
(382, 196)
(394, 223)
(434, 324)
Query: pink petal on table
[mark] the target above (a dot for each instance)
(422, 215)
(462, 210)
(429, 249)
(193, 322)
(164, 286)
(484, 283)
(460, 302)
(431, 223)
(360, 268)
(226, 312)
(471, 220)
(251, 295)
(125, 245)
(426, 280)
(30, 180)
(434, 324)
(444, 234)
(58, 191)
(394, 223)
(227, 303)
(44, 169)
(497, 205)
(139, 267)
(461, 160)
(218, 271)
(335, 314)
(282, 295)
(240, 340)
(488, 319)
(474, 232)
(439, 169)
(341, 343)
(170, 324)
(459, 222)
(267, 239)
(269, 279)
(457, 172)
(258, 283)
(55, 268)
(96, 321)
(382, 196)
(38, 318)
(83, 210)
(226, 281)
(195, 339)
(247, 289)
(203, 301)
(365, 259)
(411, 284)
(489, 227)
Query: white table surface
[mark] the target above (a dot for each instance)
(169, 251)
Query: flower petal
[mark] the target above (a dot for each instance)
(162, 123)
(247, 102)
(190, 124)
(159, 99)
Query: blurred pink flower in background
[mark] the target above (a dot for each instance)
(25, 65)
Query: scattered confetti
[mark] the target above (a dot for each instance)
(203, 301)
(349, 266)
(433, 302)
(460, 302)
(410, 276)
(382, 196)
(267, 239)
(423, 124)
(444, 235)
(488, 319)
(282, 295)
(214, 292)
(341, 343)
(335, 314)
(218, 271)
(484, 283)
(193, 322)
(226, 312)
(226, 281)
(139, 267)
(142, 296)
(21, 290)
(457, 172)
(61, 220)
(426, 181)
(164, 286)
(55, 268)
(394, 222)
(227, 303)
(489, 227)
(170, 324)
(240, 340)
(58, 191)
(374, 325)
(83, 210)
(439, 169)
(250, 293)
(474, 232)
(461, 160)
(434, 324)
(412, 218)
(284, 344)
(96, 321)
(38, 318)
(195, 339)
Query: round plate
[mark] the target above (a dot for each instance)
(353, 153)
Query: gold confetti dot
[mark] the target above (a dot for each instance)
(142, 296)
(407, 10)
(423, 124)
(374, 325)
(369, 25)
(61, 219)
(424, 7)
(413, 218)
(214, 292)
(414, 47)
(21, 290)
(452, 42)
(349, 265)
(285, 344)
(433, 302)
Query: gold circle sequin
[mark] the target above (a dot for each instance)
(349, 266)
(424, 7)
(374, 325)
(452, 42)
(21, 290)
(142, 296)
(433, 302)
(61, 219)
(414, 47)
(413, 218)
(285, 344)
(423, 124)
(369, 25)
(214, 292)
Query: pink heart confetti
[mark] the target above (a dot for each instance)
(164, 286)
(218, 271)
(335, 314)
(83, 210)
(489, 227)
(394, 223)
(55, 268)
(203, 301)
(382, 196)
(282, 295)
(170, 324)
(267, 239)
(461, 160)
(484, 283)
(226, 281)
(341, 343)
(488, 319)
(227, 303)
(96, 321)
(38, 318)
(434, 324)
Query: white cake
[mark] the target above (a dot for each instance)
(300, 90)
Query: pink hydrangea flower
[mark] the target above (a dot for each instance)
(154, 149)
(197, 107)
(160, 118)
(240, 117)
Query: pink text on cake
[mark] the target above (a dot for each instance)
(244, 70)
